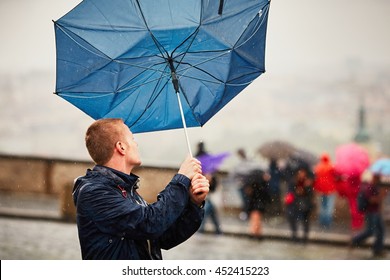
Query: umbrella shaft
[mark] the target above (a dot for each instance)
(184, 123)
(175, 81)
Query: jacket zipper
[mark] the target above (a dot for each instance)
(149, 248)
(140, 201)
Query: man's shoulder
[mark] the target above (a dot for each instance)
(92, 182)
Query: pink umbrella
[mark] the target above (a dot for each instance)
(351, 159)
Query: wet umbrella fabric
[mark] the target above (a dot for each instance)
(351, 159)
(127, 58)
(305, 156)
(381, 166)
(276, 149)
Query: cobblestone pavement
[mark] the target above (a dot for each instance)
(25, 239)
(31, 228)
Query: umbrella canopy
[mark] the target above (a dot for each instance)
(127, 58)
(381, 166)
(276, 149)
(351, 159)
(211, 163)
(305, 156)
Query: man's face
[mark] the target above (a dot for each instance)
(132, 154)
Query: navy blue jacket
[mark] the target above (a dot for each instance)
(115, 222)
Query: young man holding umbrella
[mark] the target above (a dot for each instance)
(114, 221)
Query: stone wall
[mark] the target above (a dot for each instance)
(49, 176)
(20, 174)
(34, 175)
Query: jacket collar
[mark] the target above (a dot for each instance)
(125, 180)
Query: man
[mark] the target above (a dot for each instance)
(113, 220)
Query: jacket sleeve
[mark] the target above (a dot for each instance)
(115, 215)
(185, 226)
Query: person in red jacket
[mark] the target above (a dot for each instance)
(324, 185)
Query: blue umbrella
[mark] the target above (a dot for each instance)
(159, 64)
(381, 166)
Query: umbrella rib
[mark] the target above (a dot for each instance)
(242, 84)
(151, 99)
(190, 66)
(192, 35)
(157, 43)
(201, 70)
(99, 53)
(150, 102)
(258, 27)
(125, 87)
(163, 74)
(97, 8)
(101, 94)
(219, 81)
(67, 32)
(140, 66)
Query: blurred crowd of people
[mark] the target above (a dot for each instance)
(299, 191)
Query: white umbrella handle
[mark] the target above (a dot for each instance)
(184, 123)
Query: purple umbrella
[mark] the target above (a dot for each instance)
(211, 163)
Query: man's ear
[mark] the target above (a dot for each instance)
(120, 148)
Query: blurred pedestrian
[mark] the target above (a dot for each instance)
(113, 220)
(299, 202)
(259, 197)
(324, 185)
(240, 174)
(374, 223)
(210, 211)
(348, 186)
(275, 207)
(201, 149)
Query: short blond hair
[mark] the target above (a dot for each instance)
(101, 138)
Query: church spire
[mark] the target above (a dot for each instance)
(362, 135)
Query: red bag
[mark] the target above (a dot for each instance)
(289, 198)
